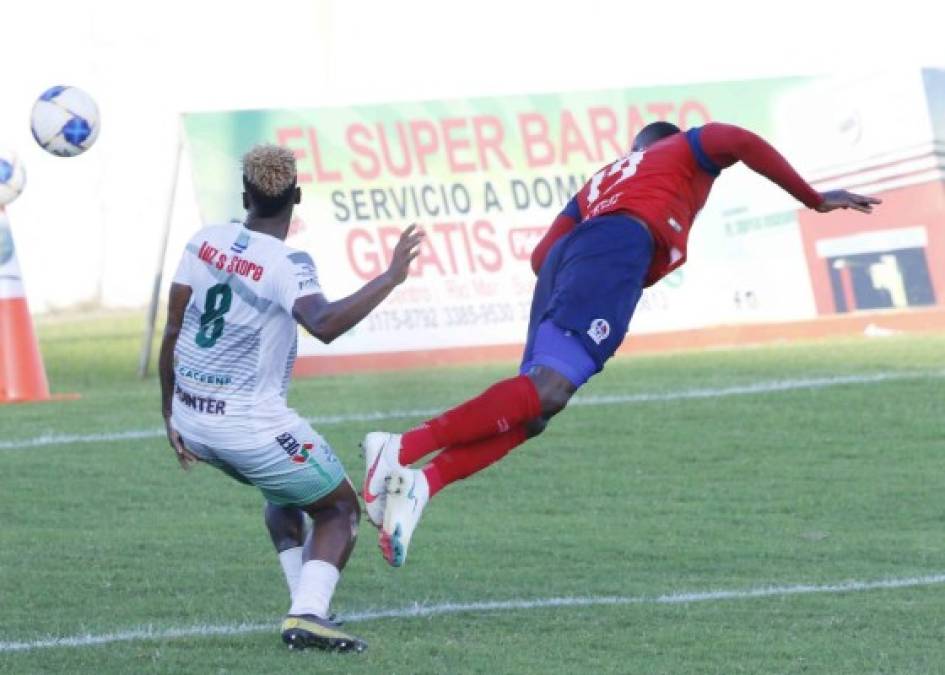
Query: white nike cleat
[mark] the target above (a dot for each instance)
(407, 495)
(381, 457)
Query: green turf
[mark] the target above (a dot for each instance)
(810, 486)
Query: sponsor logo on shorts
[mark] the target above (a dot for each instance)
(297, 452)
(203, 404)
(599, 330)
(307, 283)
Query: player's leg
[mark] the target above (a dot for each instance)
(595, 283)
(408, 491)
(557, 364)
(481, 418)
(503, 406)
(335, 517)
(286, 525)
(484, 416)
(326, 552)
(298, 472)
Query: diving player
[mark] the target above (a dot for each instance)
(626, 229)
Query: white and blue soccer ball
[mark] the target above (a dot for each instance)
(12, 176)
(65, 121)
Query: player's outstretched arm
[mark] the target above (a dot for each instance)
(176, 306)
(329, 320)
(725, 144)
(841, 199)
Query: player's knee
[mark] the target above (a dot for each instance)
(554, 390)
(351, 511)
(286, 526)
(535, 426)
(554, 402)
(554, 397)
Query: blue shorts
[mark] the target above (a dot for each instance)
(588, 287)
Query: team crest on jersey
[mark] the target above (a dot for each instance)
(599, 330)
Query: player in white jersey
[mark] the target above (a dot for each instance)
(225, 363)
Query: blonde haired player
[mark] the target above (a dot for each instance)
(226, 358)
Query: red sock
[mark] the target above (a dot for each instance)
(461, 461)
(501, 407)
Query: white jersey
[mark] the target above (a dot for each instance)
(237, 345)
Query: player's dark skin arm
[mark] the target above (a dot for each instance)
(328, 320)
(176, 306)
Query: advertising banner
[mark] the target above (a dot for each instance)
(486, 176)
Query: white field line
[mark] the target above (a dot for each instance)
(420, 611)
(755, 388)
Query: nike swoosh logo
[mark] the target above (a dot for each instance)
(368, 497)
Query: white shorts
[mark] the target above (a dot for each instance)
(296, 469)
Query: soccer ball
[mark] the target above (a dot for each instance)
(65, 121)
(12, 177)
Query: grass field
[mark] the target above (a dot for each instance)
(712, 487)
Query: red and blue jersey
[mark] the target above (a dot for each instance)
(667, 184)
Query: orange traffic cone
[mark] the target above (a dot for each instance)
(22, 375)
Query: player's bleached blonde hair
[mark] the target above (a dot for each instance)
(270, 169)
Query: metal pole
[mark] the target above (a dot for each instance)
(146, 346)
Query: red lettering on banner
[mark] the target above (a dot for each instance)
(283, 136)
(689, 108)
(454, 144)
(477, 143)
(491, 142)
(534, 130)
(363, 259)
(443, 253)
(604, 128)
(407, 163)
(446, 230)
(428, 256)
(373, 168)
(490, 257)
(467, 246)
(425, 143)
(634, 123)
(322, 175)
(571, 138)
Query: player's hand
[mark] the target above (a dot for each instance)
(185, 457)
(408, 248)
(841, 199)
